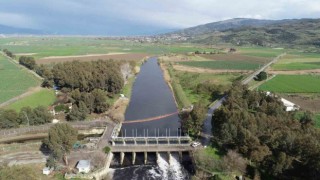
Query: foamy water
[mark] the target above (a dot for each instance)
(164, 170)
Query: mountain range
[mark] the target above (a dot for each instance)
(242, 31)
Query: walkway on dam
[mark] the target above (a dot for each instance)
(151, 148)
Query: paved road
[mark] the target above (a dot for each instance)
(207, 126)
(264, 67)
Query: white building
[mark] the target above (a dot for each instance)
(46, 170)
(84, 166)
(290, 106)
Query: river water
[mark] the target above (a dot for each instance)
(151, 97)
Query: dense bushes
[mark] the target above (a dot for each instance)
(28, 62)
(87, 76)
(9, 53)
(261, 76)
(258, 127)
(36, 116)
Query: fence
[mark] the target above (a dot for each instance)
(44, 128)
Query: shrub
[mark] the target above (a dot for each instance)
(106, 149)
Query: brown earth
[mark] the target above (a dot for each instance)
(117, 111)
(235, 57)
(296, 72)
(203, 70)
(305, 102)
(128, 57)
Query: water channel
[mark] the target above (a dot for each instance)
(152, 97)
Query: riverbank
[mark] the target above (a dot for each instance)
(178, 94)
(119, 107)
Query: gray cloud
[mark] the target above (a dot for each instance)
(112, 16)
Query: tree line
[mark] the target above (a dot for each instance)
(28, 62)
(9, 53)
(27, 116)
(258, 127)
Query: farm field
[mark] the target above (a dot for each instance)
(14, 80)
(190, 82)
(70, 46)
(128, 57)
(220, 64)
(293, 84)
(44, 97)
(261, 51)
(297, 62)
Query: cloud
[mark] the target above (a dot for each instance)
(113, 16)
(16, 20)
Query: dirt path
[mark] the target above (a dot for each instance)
(117, 111)
(296, 72)
(28, 93)
(204, 70)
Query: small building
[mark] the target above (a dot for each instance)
(84, 166)
(290, 106)
(46, 170)
(55, 121)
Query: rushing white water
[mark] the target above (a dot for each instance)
(163, 165)
(171, 169)
(167, 168)
(176, 168)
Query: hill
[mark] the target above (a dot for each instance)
(271, 33)
(14, 30)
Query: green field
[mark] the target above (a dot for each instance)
(189, 81)
(261, 51)
(298, 62)
(293, 84)
(45, 97)
(14, 80)
(236, 65)
(66, 46)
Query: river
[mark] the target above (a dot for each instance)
(151, 97)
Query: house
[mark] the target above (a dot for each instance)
(84, 166)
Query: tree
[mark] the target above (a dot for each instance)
(261, 76)
(100, 101)
(41, 115)
(61, 139)
(233, 161)
(28, 62)
(192, 124)
(258, 127)
(8, 118)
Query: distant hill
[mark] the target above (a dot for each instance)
(288, 32)
(14, 30)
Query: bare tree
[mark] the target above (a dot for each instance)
(233, 161)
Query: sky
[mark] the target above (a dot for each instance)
(139, 17)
